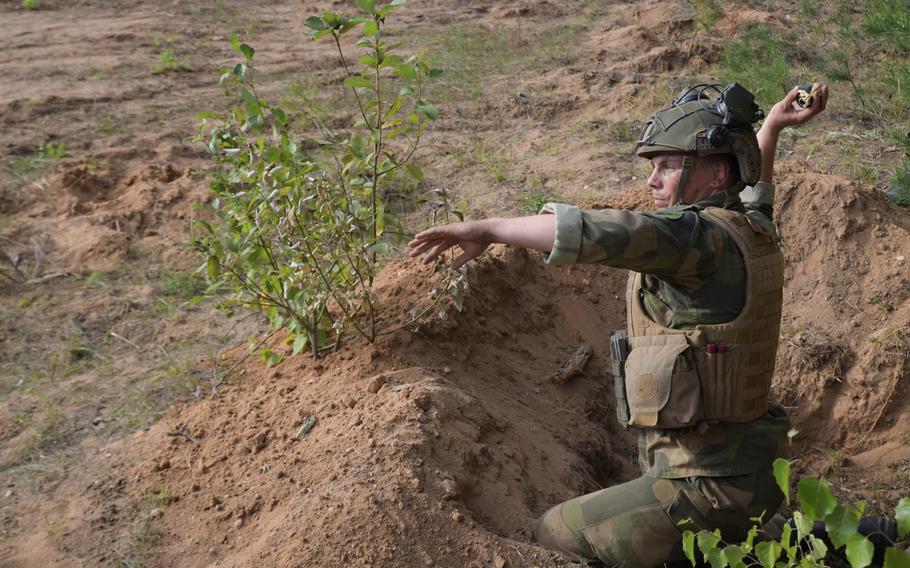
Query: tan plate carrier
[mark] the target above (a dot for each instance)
(721, 372)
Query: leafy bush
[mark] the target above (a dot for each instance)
(303, 221)
(800, 547)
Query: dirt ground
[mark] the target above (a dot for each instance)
(441, 443)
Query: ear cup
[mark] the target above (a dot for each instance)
(717, 135)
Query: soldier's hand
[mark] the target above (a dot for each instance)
(472, 238)
(786, 112)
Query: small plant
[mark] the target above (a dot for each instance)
(301, 231)
(30, 4)
(533, 202)
(168, 61)
(797, 545)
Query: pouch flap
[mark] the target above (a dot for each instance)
(648, 373)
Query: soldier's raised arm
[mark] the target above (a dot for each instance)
(785, 113)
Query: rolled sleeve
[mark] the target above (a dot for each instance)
(567, 245)
(762, 193)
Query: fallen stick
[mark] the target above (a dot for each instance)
(573, 366)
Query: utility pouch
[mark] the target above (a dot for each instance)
(619, 350)
(662, 384)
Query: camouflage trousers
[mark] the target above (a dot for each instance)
(639, 524)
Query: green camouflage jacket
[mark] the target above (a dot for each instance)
(693, 274)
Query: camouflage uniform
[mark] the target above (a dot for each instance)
(718, 475)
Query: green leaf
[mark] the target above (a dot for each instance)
(815, 498)
(782, 477)
(841, 524)
(368, 6)
(368, 60)
(315, 23)
(734, 555)
(247, 52)
(397, 3)
(406, 71)
(707, 541)
(786, 541)
(803, 525)
(235, 43)
(750, 538)
(429, 110)
(380, 248)
(716, 558)
(903, 517)
(859, 551)
(299, 343)
(688, 544)
(818, 548)
(358, 82)
(767, 553)
(212, 266)
(414, 171)
(370, 29)
(895, 558)
(434, 73)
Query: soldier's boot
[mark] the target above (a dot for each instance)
(880, 531)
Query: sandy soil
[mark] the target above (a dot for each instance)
(441, 443)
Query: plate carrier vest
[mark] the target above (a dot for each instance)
(677, 378)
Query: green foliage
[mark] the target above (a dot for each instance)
(903, 517)
(869, 44)
(533, 202)
(303, 222)
(801, 549)
(759, 63)
(782, 477)
(30, 4)
(168, 61)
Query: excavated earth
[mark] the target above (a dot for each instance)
(440, 443)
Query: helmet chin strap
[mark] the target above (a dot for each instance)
(688, 162)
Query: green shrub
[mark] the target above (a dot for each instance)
(303, 221)
(800, 547)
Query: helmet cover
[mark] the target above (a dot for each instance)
(697, 125)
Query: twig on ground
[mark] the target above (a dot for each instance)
(47, 277)
(573, 366)
(182, 432)
(125, 340)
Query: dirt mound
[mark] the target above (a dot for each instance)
(437, 445)
(90, 214)
(843, 363)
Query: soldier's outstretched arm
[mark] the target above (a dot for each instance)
(536, 232)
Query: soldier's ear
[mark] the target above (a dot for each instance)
(722, 174)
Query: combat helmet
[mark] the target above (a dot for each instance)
(698, 125)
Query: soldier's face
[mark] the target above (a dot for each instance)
(664, 179)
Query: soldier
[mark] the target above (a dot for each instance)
(704, 310)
